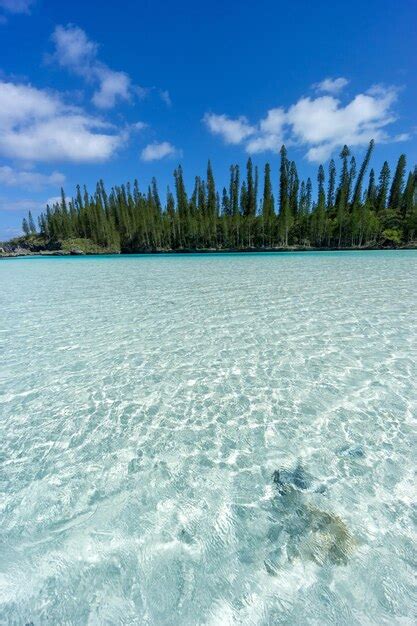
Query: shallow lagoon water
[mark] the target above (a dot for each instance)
(146, 403)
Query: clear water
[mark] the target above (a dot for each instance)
(145, 404)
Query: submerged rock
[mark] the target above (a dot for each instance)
(308, 532)
(329, 539)
(298, 478)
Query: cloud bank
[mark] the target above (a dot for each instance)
(36, 125)
(233, 131)
(78, 54)
(320, 125)
(30, 179)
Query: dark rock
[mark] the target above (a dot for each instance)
(298, 478)
(308, 532)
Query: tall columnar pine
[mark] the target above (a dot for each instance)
(249, 209)
(319, 215)
(397, 186)
(371, 194)
(409, 195)
(357, 192)
(352, 176)
(31, 223)
(331, 186)
(212, 207)
(284, 201)
(25, 226)
(383, 184)
(268, 213)
(293, 189)
(309, 194)
(342, 195)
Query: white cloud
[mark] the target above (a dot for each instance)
(165, 97)
(113, 85)
(73, 49)
(320, 124)
(75, 52)
(38, 126)
(324, 123)
(271, 133)
(233, 131)
(331, 85)
(274, 122)
(264, 143)
(156, 151)
(24, 205)
(16, 6)
(34, 180)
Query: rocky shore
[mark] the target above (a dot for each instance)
(5, 251)
(35, 246)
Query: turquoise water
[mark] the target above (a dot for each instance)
(208, 439)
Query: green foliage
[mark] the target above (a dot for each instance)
(391, 235)
(347, 211)
(86, 246)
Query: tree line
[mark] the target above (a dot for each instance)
(351, 209)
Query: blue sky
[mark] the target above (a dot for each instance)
(110, 90)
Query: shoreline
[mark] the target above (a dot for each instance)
(24, 252)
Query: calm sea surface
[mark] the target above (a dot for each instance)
(208, 439)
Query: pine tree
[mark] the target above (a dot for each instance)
(226, 209)
(182, 202)
(371, 194)
(352, 176)
(211, 192)
(182, 206)
(284, 204)
(332, 185)
(155, 195)
(293, 186)
(25, 227)
(320, 211)
(397, 186)
(408, 197)
(357, 192)
(411, 208)
(32, 227)
(234, 189)
(243, 198)
(267, 207)
(249, 209)
(384, 179)
(343, 192)
(309, 194)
